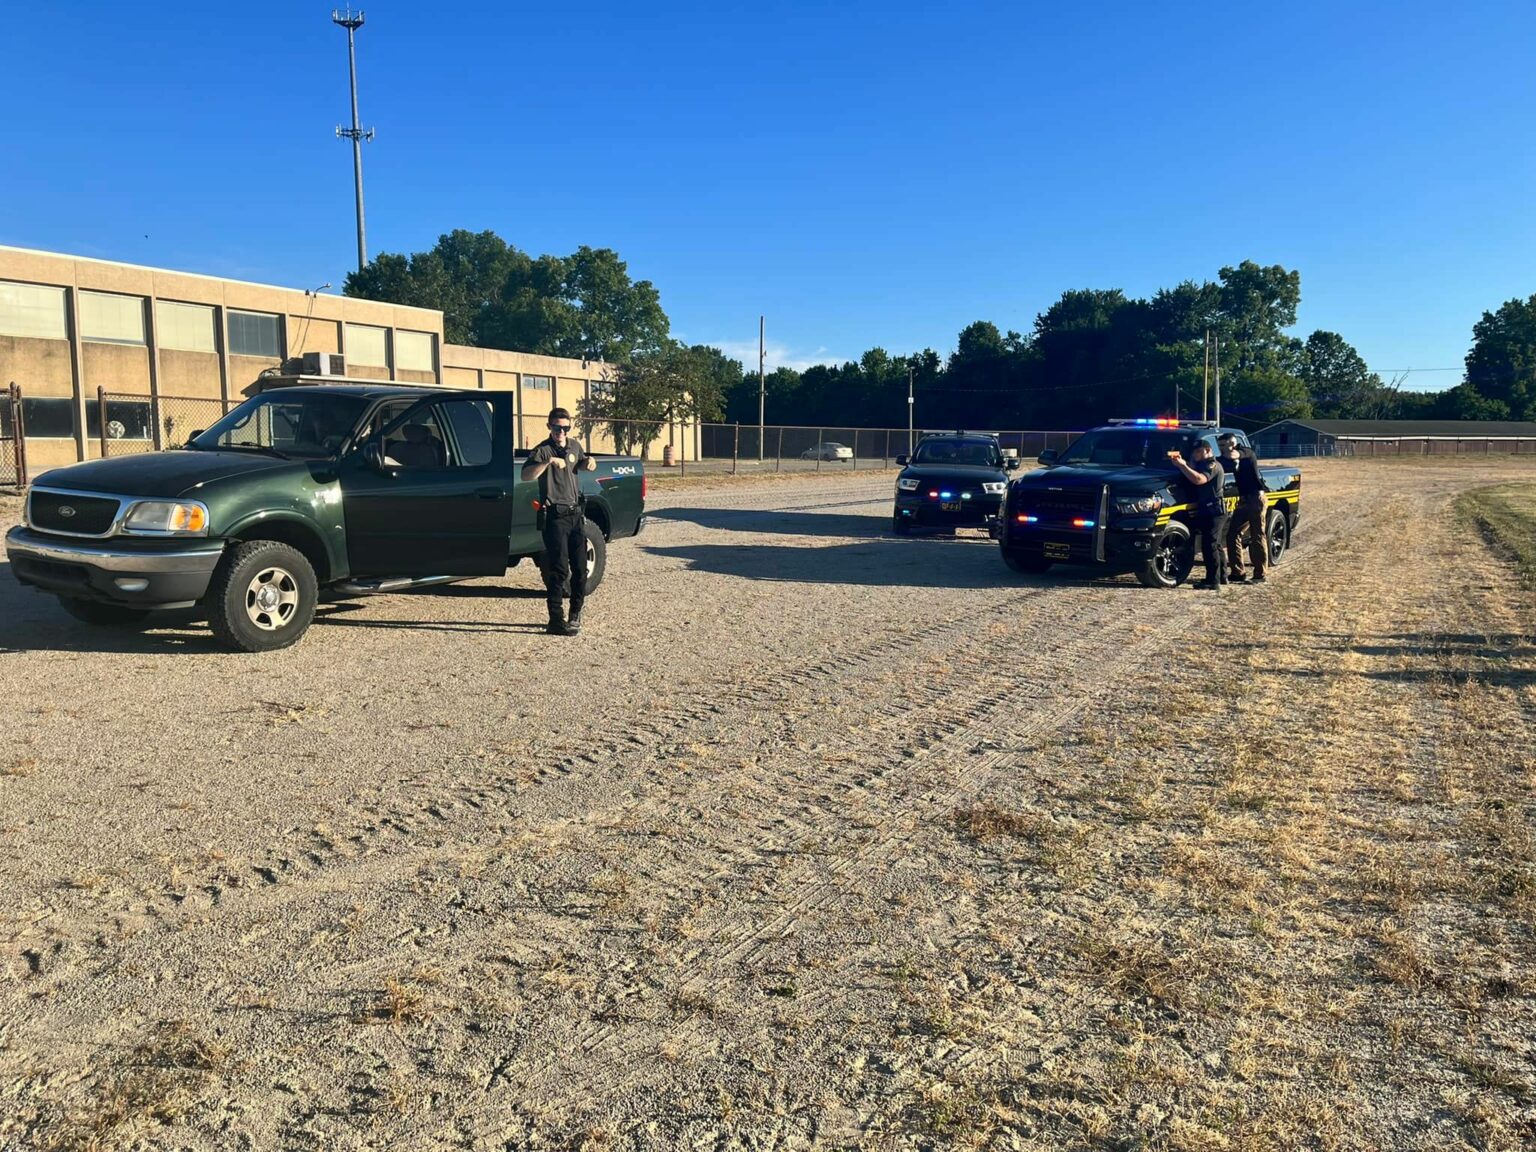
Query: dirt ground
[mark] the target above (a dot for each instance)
(815, 838)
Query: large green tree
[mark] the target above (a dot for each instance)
(1501, 367)
(493, 295)
(1340, 385)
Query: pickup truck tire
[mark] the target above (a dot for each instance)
(1172, 558)
(262, 596)
(1024, 563)
(900, 526)
(105, 615)
(1279, 535)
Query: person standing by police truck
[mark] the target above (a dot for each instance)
(554, 464)
(1210, 512)
(1249, 511)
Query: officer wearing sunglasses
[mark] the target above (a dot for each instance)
(554, 464)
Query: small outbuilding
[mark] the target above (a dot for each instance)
(1395, 438)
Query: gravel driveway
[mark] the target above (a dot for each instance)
(814, 837)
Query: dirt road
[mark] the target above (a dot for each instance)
(816, 837)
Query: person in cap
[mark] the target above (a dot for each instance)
(1204, 474)
(1249, 513)
(554, 464)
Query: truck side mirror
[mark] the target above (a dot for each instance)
(1010, 463)
(901, 461)
(1049, 456)
(195, 435)
(373, 456)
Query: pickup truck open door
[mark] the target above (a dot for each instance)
(428, 491)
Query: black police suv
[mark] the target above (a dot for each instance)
(1114, 501)
(952, 480)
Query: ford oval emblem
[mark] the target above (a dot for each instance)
(66, 510)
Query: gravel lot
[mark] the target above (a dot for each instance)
(816, 837)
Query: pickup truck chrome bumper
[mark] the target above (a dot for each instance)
(97, 571)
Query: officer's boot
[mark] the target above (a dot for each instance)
(557, 625)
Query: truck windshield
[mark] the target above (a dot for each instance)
(308, 425)
(1126, 448)
(970, 453)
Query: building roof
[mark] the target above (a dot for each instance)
(1380, 428)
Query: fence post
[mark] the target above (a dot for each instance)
(736, 447)
(19, 430)
(855, 449)
(157, 442)
(101, 419)
(883, 460)
(778, 459)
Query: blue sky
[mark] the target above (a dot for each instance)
(863, 174)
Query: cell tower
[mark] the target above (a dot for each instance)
(352, 23)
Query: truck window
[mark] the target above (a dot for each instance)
(471, 421)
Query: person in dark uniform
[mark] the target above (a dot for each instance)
(554, 464)
(1249, 511)
(1206, 477)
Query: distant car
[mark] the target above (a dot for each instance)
(828, 450)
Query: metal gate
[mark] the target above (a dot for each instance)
(13, 444)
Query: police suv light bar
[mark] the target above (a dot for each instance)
(1149, 422)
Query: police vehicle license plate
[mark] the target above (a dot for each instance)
(1056, 550)
(950, 506)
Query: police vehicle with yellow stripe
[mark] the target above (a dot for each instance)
(1113, 500)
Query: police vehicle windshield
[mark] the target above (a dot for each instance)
(1126, 447)
(966, 453)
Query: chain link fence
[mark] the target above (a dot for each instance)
(13, 442)
(736, 449)
(137, 423)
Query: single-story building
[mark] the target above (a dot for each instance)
(1394, 437)
(101, 358)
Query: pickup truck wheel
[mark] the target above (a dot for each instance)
(262, 596)
(107, 615)
(900, 526)
(597, 554)
(1172, 558)
(1279, 535)
(1025, 563)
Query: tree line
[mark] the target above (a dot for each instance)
(1094, 353)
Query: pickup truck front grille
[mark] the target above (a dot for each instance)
(71, 513)
(1066, 505)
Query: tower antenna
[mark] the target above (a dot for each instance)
(352, 22)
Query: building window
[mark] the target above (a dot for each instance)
(48, 417)
(413, 351)
(111, 319)
(254, 334)
(32, 310)
(597, 388)
(184, 327)
(366, 345)
(539, 383)
(126, 419)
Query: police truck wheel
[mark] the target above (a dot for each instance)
(1172, 558)
(262, 596)
(1026, 563)
(104, 615)
(1279, 535)
(900, 526)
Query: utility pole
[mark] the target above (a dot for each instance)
(762, 385)
(1205, 391)
(911, 405)
(355, 133)
(1217, 358)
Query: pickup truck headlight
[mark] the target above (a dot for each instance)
(1137, 505)
(167, 518)
(907, 485)
(995, 487)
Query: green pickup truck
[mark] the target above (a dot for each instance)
(303, 492)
